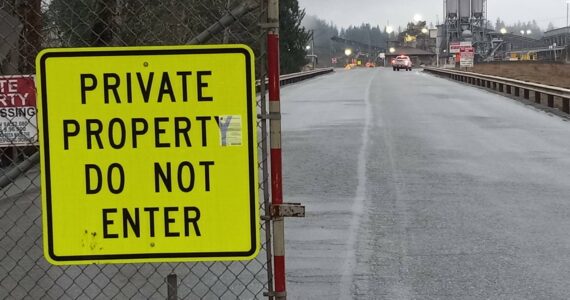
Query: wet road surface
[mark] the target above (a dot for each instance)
(418, 187)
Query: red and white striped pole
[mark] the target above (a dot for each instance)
(275, 141)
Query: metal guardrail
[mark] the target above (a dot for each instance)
(546, 95)
(296, 77)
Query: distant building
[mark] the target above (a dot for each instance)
(559, 36)
(552, 46)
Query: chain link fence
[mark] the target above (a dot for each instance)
(26, 27)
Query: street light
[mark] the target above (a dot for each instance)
(553, 48)
(312, 54)
(567, 9)
(418, 17)
(392, 50)
(347, 52)
(425, 30)
(389, 30)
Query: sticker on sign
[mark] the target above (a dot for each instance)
(148, 154)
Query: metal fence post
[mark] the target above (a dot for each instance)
(275, 141)
(265, 149)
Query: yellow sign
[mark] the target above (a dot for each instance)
(148, 154)
(410, 38)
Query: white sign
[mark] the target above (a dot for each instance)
(467, 57)
(454, 47)
(433, 33)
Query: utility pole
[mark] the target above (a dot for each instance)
(313, 47)
(566, 36)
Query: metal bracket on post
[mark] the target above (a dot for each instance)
(285, 210)
(288, 210)
(275, 294)
(269, 116)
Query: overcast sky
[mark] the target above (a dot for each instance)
(399, 12)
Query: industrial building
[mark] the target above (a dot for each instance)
(466, 21)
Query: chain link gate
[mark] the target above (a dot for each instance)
(26, 27)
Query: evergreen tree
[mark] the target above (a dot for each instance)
(325, 48)
(74, 21)
(294, 37)
(499, 24)
(144, 22)
(366, 34)
(535, 31)
(412, 30)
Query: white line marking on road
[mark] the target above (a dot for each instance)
(358, 212)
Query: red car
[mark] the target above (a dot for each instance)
(402, 62)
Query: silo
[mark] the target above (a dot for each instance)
(477, 8)
(452, 8)
(464, 9)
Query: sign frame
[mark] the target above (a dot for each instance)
(250, 139)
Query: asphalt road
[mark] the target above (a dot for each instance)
(418, 187)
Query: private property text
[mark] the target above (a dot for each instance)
(158, 132)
